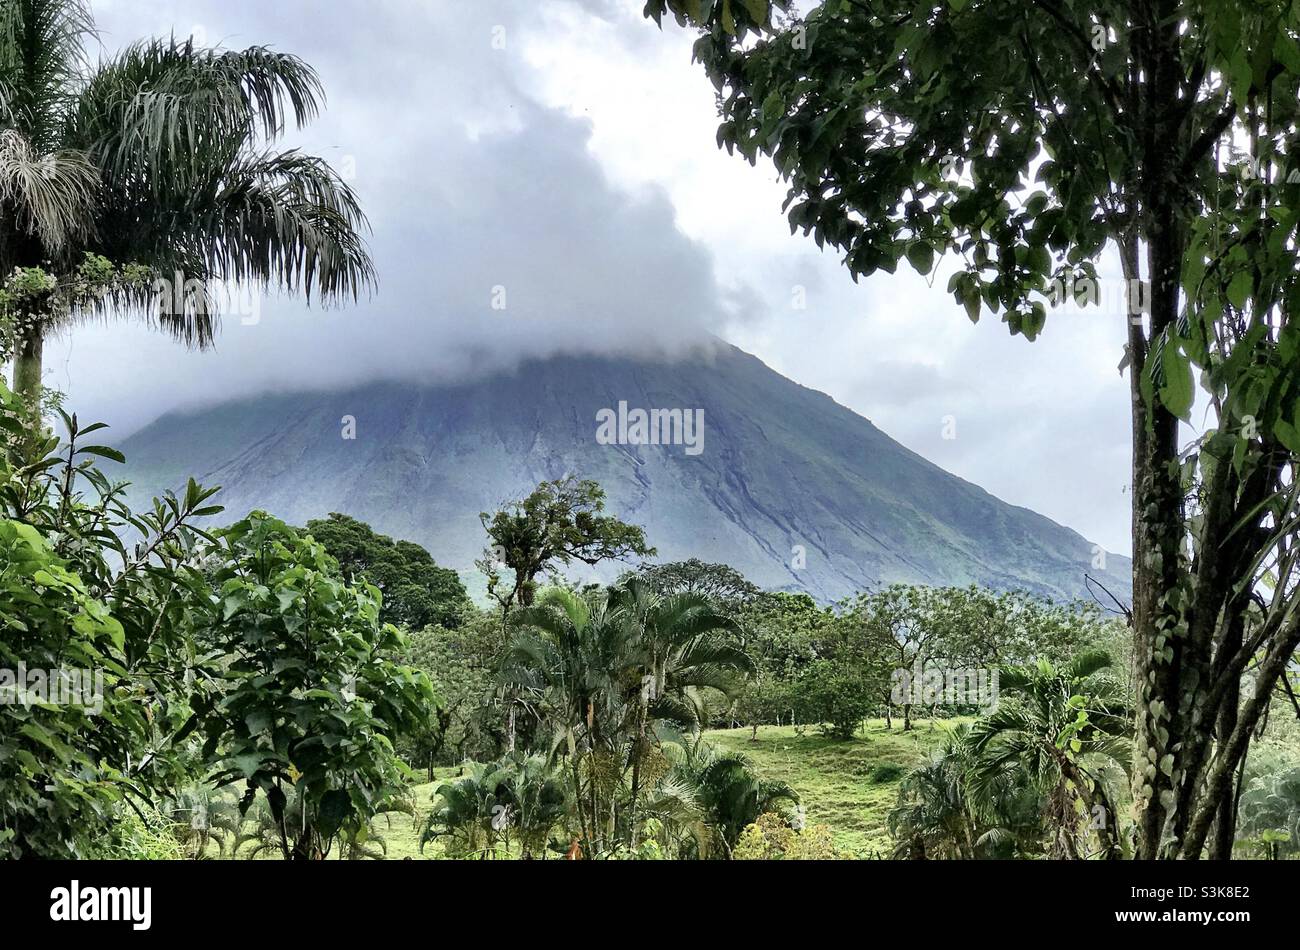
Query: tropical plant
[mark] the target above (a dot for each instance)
(604, 676)
(518, 798)
(309, 697)
(732, 796)
(939, 816)
(1270, 814)
(143, 179)
(81, 608)
(258, 831)
(202, 816)
(1063, 727)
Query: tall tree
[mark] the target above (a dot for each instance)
(1030, 137)
(417, 592)
(140, 180)
(559, 522)
(724, 586)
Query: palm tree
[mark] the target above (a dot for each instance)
(733, 796)
(574, 659)
(468, 813)
(933, 817)
(1270, 814)
(603, 676)
(118, 176)
(938, 815)
(1065, 728)
(684, 646)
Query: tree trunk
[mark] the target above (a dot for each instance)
(27, 368)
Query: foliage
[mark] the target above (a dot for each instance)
(558, 523)
(1270, 814)
(772, 838)
(605, 677)
(837, 696)
(517, 799)
(147, 836)
(723, 586)
(416, 592)
(311, 696)
(75, 600)
(460, 663)
(1061, 727)
(733, 796)
(939, 815)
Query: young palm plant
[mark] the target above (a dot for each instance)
(733, 796)
(120, 176)
(938, 816)
(1065, 727)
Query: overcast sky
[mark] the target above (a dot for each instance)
(564, 150)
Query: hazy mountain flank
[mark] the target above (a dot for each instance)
(781, 468)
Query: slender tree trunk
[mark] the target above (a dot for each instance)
(637, 750)
(27, 368)
(577, 799)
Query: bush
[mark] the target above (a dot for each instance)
(835, 696)
(886, 772)
(772, 838)
(68, 759)
(314, 696)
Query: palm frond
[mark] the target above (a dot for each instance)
(54, 194)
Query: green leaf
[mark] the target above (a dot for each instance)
(1177, 391)
(1239, 288)
(728, 18)
(921, 256)
(758, 10)
(248, 763)
(103, 451)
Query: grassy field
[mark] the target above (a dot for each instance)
(849, 786)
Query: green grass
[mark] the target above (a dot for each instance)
(849, 785)
(840, 782)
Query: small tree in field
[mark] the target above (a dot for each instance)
(311, 697)
(1026, 139)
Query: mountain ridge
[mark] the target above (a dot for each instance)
(783, 467)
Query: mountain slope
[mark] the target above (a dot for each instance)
(782, 468)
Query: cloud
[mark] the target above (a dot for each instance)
(497, 234)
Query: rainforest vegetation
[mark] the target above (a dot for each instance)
(325, 692)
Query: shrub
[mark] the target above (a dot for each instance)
(886, 772)
(836, 696)
(772, 838)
